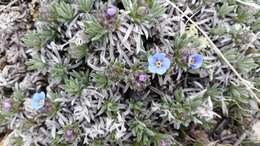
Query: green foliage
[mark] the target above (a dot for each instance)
(213, 91)
(96, 143)
(208, 2)
(246, 64)
(58, 71)
(82, 76)
(237, 92)
(243, 63)
(18, 141)
(78, 52)
(85, 5)
(177, 110)
(59, 144)
(94, 30)
(36, 64)
(140, 13)
(243, 15)
(232, 55)
(219, 29)
(143, 134)
(18, 94)
(101, 80)
(182, 109)
(197, 144)
(256, 25)
(155, 9)
(110, 107)
(230, 2)
(113, 75)
(76, 82)
(37, 40)
(61, 12)
(53, 95)
(58, 141)
(237, 98)
(181, 41)
(3, 117)
(137, 106)
(73, 86)
(226, 9)
(257, 82)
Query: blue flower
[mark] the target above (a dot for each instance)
(159, 63)
(196, 61)
(38, 100)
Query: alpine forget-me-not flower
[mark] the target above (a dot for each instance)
(38, 100)
(196, 61)
(159, 63)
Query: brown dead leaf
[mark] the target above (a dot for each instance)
(201, 137)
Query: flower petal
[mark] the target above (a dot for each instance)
(151, 60)
(161, 71)
(166, 63)
(152, 68)
(36, 105)
(39, 96)
(159, 56)
(38, 100)
(198, 60)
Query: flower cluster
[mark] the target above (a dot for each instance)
(159, 63)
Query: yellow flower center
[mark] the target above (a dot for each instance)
(158, 64)
(192, 61)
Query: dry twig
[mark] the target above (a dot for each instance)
(246, 83)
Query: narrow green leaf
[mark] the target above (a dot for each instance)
(85, 5)
(225, 9)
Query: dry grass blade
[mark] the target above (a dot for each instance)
(246, 83)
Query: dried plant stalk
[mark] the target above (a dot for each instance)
(249, 86)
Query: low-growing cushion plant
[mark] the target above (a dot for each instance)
(135, 72)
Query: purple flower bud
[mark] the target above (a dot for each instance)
(111, 11)
(69, 135)
(7, 105)
(142, 78)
